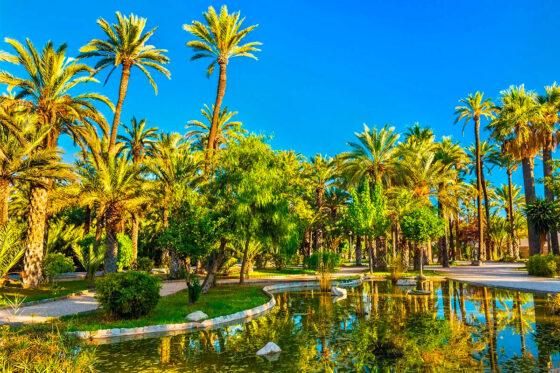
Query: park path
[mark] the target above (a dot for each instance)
(85, 302)
(511, 276)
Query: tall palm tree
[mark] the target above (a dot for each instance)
(227, 129)
(514, 129)
(372, 156)
(549, 105)
(138, 140)
(220, 39)
(45, 91)
(126, 46)
(507, 161)
(474, 107)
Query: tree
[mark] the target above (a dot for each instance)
(513, 128)
(227, 129)
(474, 108)
(220, 39)
(125, 46)
(45, 91)
(543, 216)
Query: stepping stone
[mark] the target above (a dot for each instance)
(270, 349)
(196, 316)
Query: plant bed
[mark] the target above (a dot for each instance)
(43, 292)
(220, 301)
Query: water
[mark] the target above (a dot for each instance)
(377, 328)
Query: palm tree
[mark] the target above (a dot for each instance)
(138, 140)
(125, 46)
(543, 216)
(549, 105)
(514, 129)
(45, 91)
(227, 129)
(475, 107)
(220, 39)
(373, 156)
(507, 161)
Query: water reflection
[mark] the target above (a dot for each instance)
(378, 327)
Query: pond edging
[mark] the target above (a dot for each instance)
(234, 318)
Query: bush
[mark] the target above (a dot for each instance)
(124, 257)
(194, 289)
(55, 264)
(89, 254)
(330, 260)
(144, 264)
(128, 294)
(543, 265)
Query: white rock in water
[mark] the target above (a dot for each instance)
(197, 316)
(269, 349)
(338, 292)
(406, 282)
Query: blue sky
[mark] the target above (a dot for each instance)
(326, 67)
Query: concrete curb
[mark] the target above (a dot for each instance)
(234, 318)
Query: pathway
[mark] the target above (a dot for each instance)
(503, 275)
(86, 302)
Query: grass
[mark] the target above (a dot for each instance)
(269, 272)
(43, 292)
(219, 301)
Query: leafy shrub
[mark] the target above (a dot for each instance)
(89, 254)
(543, 265)
(128, 294)
(144, 264)
(194, 289)
(508, 259)
(42, 351)
(124, 257)
(55, 264)
(329, 260)
(11, 249)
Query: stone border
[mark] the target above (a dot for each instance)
(234, 318)
(504, 287)
(48, 300)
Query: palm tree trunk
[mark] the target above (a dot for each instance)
(479, 188)
(113, 222)
(135, 225)
(125, 76)
(244, 262)
(358, 250)
(4, 198)
(35, 236)
(530, 196)
(405, 254)
(547, 169)
(489, 254)
(514, 245)
(452, 251)
(443, 255)
(165, 251)
(213, 267)
(216, 114)
(87, 220)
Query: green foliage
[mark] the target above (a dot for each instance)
(42, 351)
(56, 263)
(367, 211)
(124, 257)
(89, 254)
(427, 332)
(327, 259)
(144, 264)
(543, 265)
(543, 215)
(62, 236)
(128, 294)
(422, 225)
(11, 249)
(194, 289)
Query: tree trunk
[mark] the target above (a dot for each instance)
(489, 254)
(175, 265)
(369, 246)
(405, 255)
(35, 236)
(479, 188)
(514, 245)
(443, 254)
(547, 170)
(417, 256)
(244, 262)
(530, 197)
(165, 260)
(379, 254)
(125, 76)
(135, 225)
(87, 220)
(113, 221)
(358, 250)
(306, 244)
(213, 267)
(4, 198)
(458, 253)
(451, 240)
(216, 114)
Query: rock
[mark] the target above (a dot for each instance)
(406, 282)
(338, 292)
(196, 316)
(269, 349)
(339, 298)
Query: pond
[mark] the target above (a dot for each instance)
(377, 328)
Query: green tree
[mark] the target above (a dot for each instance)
(227, 130)
(542, 216)
(220, 39)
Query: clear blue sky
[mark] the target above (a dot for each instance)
(326, 67)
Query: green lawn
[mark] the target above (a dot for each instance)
(268, 272)
(43, 292)
(220, 301)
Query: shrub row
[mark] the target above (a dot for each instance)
(329, 260)
(544, 265)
